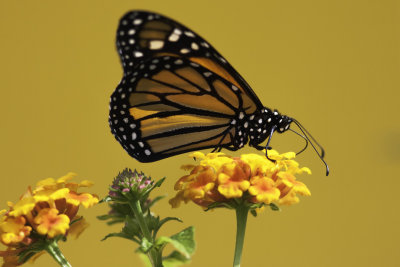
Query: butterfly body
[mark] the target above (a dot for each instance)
(178, 94)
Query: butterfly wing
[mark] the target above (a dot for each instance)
(178, 94)
(143, 35)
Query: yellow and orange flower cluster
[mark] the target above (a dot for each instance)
(44, 212)
(219, 178)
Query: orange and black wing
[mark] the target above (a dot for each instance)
(178, 94)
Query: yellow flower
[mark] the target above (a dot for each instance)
(23, 207)
(85, 199)
(13, 230)
(53, 184)
(42, 214)
(62, 182)
(175, 202)
(233, 179)
(51, 194)
(251, 177)
(258, 163)
(51, 223)
(263, 189)
(197, 187)
(214, 160)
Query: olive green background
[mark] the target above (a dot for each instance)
(333, 65)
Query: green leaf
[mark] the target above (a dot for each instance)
(104, 217)
(105, 199)
(24, 258)
(116, 220)
(216, 205)
(274, 207)
(159, 182)
(163, 221)
(182, 241)
(76, 220)
(167, 219)
(253, 212)
(31, 250)
(175, 259)
(122, 235)
(146, 245)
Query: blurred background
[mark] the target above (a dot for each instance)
(333, 65)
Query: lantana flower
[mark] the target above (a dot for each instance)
(247, 184)
(43, 216)
(219, 178)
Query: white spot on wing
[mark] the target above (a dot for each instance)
(156, 44)
(137, 21)
(185, 50)
(138, 54)
(173, 37)
(195, 46)
(190, 34)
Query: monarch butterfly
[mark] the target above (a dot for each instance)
(178, 94)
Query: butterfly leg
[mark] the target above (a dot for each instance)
(218, 148)
(267, 147)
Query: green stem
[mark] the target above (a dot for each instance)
(53, 249)
(241, 219)
(153, 254)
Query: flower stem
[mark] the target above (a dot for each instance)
(154, 255)
(241, 220)
(53, 249)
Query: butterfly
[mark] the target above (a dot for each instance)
(178, 94)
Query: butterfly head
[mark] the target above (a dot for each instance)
(283, 123)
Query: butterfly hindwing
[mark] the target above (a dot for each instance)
(170, 105)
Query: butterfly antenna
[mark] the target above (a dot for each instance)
(312, 138)
(305, 139)
(322, 154)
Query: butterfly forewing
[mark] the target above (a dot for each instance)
(142, 35)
